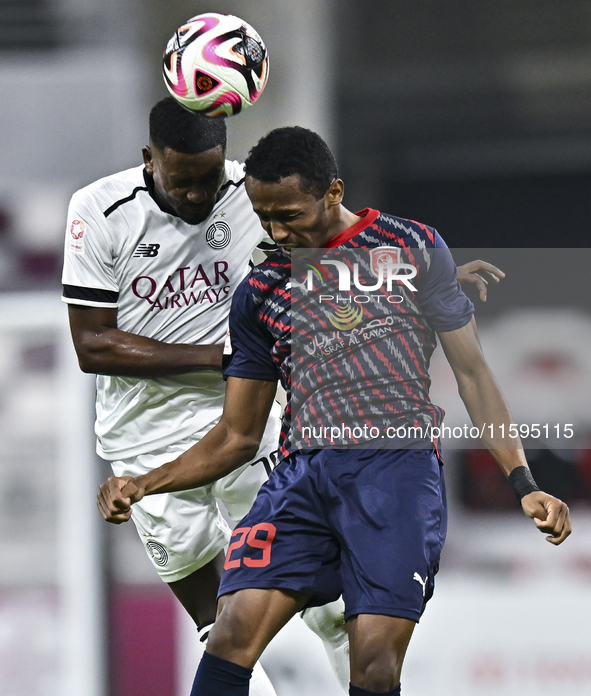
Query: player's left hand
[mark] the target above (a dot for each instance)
(550, 514)
(479, 273)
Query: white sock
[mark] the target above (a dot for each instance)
(260, 684)
(328, 623)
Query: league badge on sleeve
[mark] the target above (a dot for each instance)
(77, 229)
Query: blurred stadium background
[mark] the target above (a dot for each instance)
(471, 116)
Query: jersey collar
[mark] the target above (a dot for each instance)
(368, 215)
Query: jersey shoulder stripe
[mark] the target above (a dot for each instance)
(121, 201)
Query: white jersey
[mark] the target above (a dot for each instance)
(170, 281)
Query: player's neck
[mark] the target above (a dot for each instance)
(343, 221)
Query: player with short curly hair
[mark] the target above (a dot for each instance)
(355, 518)
(275, 158)
(184, 131)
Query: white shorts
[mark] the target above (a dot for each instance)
(183, 531)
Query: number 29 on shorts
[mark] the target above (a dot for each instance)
(258, 537)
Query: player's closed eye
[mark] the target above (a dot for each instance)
(212, 180)
(287, 217)
(180, 184)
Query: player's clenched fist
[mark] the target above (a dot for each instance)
(116, 497)
(550, 514)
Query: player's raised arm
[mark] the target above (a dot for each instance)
(104, 349)
(231, 443)
(479, 273)
(490, 412)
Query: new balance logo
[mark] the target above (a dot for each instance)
(147, 250)
(420, 580)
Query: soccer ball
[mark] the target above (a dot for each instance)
(216, 64)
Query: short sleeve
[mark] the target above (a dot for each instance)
(248, 351)
(88, 277)
(442, 300)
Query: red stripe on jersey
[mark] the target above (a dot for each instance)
(392, 236)
(427, 230)
(412, 355)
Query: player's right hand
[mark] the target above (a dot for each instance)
(116, 496)
(550, 515)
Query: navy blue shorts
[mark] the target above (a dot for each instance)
(367, 524)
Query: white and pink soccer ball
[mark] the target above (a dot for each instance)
(216, 64)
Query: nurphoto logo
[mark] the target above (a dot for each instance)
(385, 265)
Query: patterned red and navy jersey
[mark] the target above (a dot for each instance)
(353, 359)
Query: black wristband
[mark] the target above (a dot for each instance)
(522, 482)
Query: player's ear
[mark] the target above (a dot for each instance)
(148, 159)
(335, 193)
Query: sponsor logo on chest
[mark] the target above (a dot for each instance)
(187, 286)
